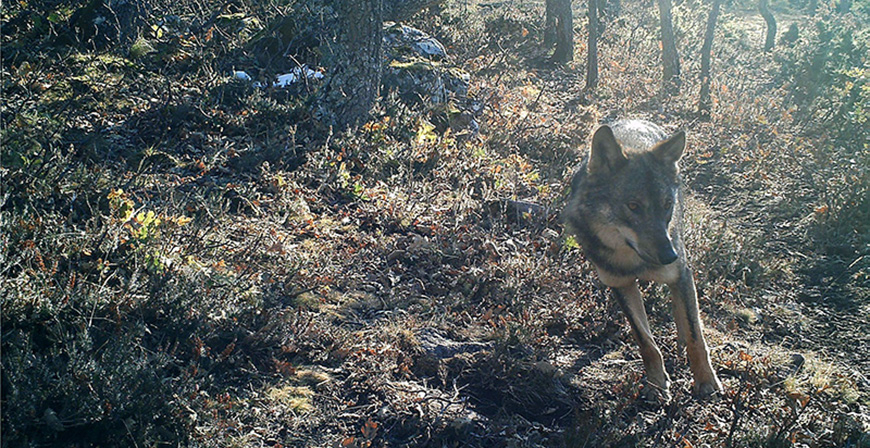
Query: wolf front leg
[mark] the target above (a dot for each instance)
(630, 300)
(685, 304)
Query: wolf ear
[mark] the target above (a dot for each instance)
(606, 154)
(671, 150)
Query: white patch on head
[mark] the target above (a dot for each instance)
(627, 234)
(613, 237)
(638, 135)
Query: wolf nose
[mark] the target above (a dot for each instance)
(667, 255)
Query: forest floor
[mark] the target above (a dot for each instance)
(186, 264)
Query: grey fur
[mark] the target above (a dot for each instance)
(626, 209)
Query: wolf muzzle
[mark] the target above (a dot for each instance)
(666, 254)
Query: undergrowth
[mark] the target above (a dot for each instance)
(191, 260)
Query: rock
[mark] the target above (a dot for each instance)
(244, 76)
(103, 23)
(402, 40)
(791, 35)
(437, 346)
(797, 362)
(49, 417)
(416, 68)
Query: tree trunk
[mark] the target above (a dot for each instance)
(549, 24)
(704, 103)
(353, 53)
(560, 25)
(592, 50)
(670, 56)
(355, 62)
(770, 38)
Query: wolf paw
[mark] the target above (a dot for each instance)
(656, 394)
(707, 388)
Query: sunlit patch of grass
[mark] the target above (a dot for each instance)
(312, 377)
(297, 398)
(140, 48)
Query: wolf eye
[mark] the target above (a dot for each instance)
(633, 206)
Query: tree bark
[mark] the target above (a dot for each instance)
(355, 62)
(353, 54)
(704, 103)
(560, 25)
(770, 38)
(670, 56)
(592, 47)
(549, 24)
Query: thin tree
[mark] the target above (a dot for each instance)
(592, 47)
(770, 38)
(705, 104)
(559, 29)
(670, 56)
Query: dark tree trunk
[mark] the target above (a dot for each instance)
(355, 62)
(560, 28)
(592, 47)
(354, 57)
(705, 104)
(770, 38)
(670, 56)
(550, 24)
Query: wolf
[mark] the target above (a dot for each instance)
(625, 209)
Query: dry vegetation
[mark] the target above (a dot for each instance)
(188, 260)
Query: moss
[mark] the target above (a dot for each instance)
(417, 65)
(140, 48)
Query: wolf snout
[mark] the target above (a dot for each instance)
(667, 254)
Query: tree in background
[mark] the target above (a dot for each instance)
(770, 37)
(592, 47)
(559, 29)
(704, 102)
(670, 56)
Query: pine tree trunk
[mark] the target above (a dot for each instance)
(560, 23)
(670, 56)
(770, 38)
(550, 24)
(704, 103)
(355, 64)
(592, 47)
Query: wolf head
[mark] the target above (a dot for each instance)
(629, 189)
